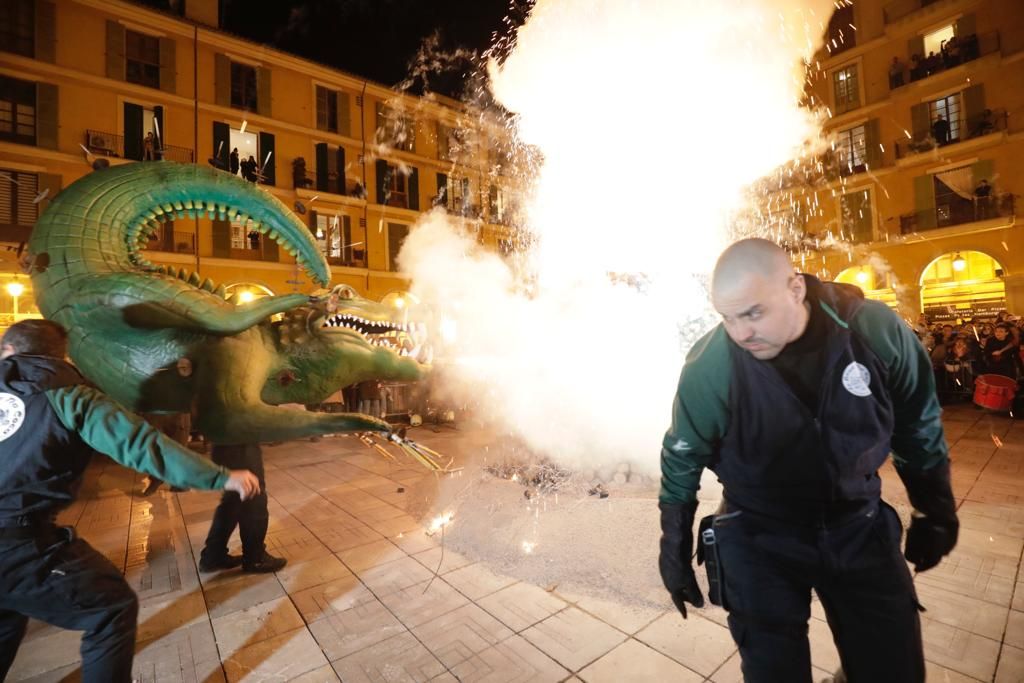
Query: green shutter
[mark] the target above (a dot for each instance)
(133, 148)
(263, 91)
(441, 198)
(222, 144)
(271, 252)
(47, 106)
(872, 144)
(982, 170)
(397, 232)
(339, 157)
(965, 26)
(115, 50)
(344, 114)
(920, 121)
(322, 166)
(168, 65)
(46, 31)
(915, 46)
(158, 115)
(269, 165)
(442, 141)
(924, 201)
(221, 232)
(346, 239)
(974, 109)
(413, 188)
(222, 80)
(382, 180)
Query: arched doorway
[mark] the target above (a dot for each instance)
(877, 285)
(962, 285)
(248, 291)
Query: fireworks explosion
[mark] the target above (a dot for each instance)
(638, 132)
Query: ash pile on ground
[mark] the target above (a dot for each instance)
(564, 531)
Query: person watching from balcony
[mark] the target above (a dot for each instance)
(932, 63)
(896, 70)
(940, 130)
(233, 161)
(983, 200)
(917, 70)
(149, 147)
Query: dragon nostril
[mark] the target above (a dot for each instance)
(285, 378)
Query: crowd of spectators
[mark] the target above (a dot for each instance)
(960, 352)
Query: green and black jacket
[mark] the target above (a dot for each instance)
(735, 415)
(50, 422)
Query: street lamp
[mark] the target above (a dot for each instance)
(246, 296)
(959, 262)
(15, 289)
(862, 276)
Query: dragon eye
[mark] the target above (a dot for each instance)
(346, 293)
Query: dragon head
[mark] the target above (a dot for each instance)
(339, 340)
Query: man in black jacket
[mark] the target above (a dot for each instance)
(795, 400)
(50, 422)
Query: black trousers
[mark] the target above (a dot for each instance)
(250, 516)
(858, 572)
(63, 581)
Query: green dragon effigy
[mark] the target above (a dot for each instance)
(160, 339)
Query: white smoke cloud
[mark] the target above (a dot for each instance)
(653, 117)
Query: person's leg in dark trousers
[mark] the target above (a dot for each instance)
(870, 603)
(12, 630)
(768, 579)
(251, 516)
(70, 585)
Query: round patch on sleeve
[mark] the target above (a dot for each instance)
(12, 415)
(856, 379)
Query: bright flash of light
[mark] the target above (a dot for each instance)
(528, 546)
(15, 289)
(449, 329)
(642, 112)
(246, 296)
(439, 522)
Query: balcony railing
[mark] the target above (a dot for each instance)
(110, 145)
(966, 49)
(306, 178)
(254, 250)
(176, 242)
(990, 122)
(967, 211)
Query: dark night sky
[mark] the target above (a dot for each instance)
(371, 38)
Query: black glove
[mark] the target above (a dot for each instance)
(933, 532)
(676, 553)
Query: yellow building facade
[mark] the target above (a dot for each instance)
(88, 79)
(924, 174)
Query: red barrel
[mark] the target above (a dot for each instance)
(994, 392)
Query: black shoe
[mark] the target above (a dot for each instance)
(265, 565)
(151, 487)
(207, 565)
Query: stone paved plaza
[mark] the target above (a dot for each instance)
(359, 601)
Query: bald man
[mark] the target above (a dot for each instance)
(795, 400)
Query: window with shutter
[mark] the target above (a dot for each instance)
(326, 109)
(857, 220)
(397, 232)
(850, 150)
(17, 198)
(142, 59)
(17, 27)
(845, 89)
(17, 111)
(243, 86)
